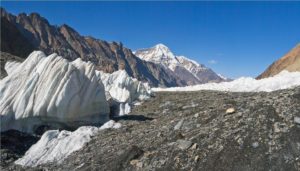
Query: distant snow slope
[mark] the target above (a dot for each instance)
(186, 69)
(55, 146)
(225, 78)
(51, 90)
(283, 80)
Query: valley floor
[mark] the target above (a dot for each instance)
(193, 131)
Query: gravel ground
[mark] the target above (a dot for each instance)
(205, 130)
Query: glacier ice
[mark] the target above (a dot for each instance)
(50, 90)
(124, 90)
(10, 66)
(55, 146)
(283, 80)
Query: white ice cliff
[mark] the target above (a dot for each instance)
(124, 89)
(50, 90)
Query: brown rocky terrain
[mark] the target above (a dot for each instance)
(289, 62)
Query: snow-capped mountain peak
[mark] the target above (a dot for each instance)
(163, 51)
(159, 54)
(188, 70)
(181, 59)
(162, 47)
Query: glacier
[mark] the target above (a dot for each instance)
(55, 146)
(10, 66)
(283, 80)
(47, 90)
(51, 91)
(122, 90)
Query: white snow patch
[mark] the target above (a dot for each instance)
(55, 146)
(283, 80)
(223, 77)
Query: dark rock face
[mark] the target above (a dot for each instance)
(14, 144)
(35, 32)
(13, 41)
(206, 76)
(186, 75)
(209, 76)
(193, 131)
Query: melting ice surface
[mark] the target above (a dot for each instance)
(283, 80)
(124, 90)
(51, 90)
(55, 146)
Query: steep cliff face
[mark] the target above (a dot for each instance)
(65, 41)
(13, 41)
(289, 62)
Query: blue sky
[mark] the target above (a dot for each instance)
(233, 38)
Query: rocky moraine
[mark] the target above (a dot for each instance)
(204, 130)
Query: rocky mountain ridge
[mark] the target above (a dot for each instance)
(36, 33)
(289, 62)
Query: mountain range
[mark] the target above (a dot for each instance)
(21, 34)
(186, 69)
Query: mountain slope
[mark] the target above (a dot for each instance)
(188, 70)
(66, 42)
(13, 41)
(289, 62)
